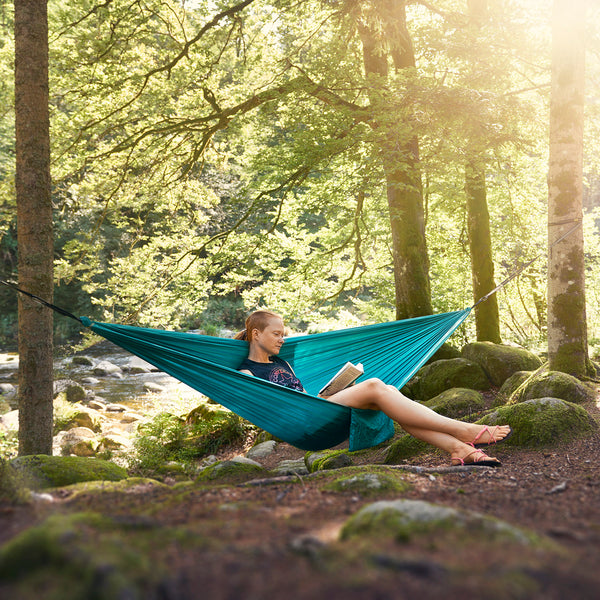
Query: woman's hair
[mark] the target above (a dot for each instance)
(259, 319)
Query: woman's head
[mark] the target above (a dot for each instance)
(259, 320)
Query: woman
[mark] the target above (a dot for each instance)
(265, 334)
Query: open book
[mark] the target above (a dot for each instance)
(346, 376)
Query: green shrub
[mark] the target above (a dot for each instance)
(168, 438)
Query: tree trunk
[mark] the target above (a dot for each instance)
(567, 327)
(34, 225)
(487, 319)
(399, 149)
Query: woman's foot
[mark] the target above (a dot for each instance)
(475, 458)
(490, 435)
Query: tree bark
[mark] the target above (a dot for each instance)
(399, 149)
(34, 225)
(567, 327)
(487, 319)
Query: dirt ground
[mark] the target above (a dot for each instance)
(280, 538)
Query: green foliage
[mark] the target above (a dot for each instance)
(9, 444)
(168, 438)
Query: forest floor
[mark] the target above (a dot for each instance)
(279, 538)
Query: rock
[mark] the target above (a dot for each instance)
(445, 352)
(112, 407)
(153, 388)
(10, 420)
(439, 376)
(510, 386)
(542, 422)
(232, 470)
(90, 381)
(80, 441)
(81, 360)
(366, 483)
(104, 368)
(404, 448)
(498, 361)
(554, 384)
(327, 459)
(41, 471)
(291, 467)
(456, 402)
(405, 519)
(130, 417)
(111, 441)
(7, 390)
(261, 450)
(96, 404)
(206, 412)
(139, 365)
(71, 390)
(84, 417)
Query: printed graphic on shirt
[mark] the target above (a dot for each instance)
(282, 376)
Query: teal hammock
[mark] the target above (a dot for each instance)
(392, 351)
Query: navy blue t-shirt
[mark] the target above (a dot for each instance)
(277, 371)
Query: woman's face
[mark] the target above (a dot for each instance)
(270, 339)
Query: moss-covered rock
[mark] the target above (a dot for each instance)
(12, 490)
(553, 384)
(206, 412)
(368, 483)
(498, 361)
(327, 459)
(439, 376)
(41, 471)
(445, 352)
(510, 386)
(542, 422)
(404, 519)
(457, 402)
(233, 471)
(404, 448)
(84, 555)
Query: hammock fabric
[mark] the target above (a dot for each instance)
(392, 351)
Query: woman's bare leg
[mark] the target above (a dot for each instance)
(374, 394)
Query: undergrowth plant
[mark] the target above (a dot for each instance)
(168, 437)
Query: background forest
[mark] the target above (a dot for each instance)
(209, 157)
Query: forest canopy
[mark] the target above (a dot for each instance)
(209, 157)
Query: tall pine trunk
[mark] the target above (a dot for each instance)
(399, 149)
(487, 319)
(34, 225)
(567, 327)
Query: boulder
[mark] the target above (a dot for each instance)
(327, 459)
(232, 471)
(511, 385)
(261, 450)
(456, 402)
(404, 448)
(498, 361)
(290, 467)
(10, 420)
(439, 376)
(41, 471)
(83, 361)
(112, 441)
(542, 422)
(554, 384)
(7, 390)
(80, 441)
(71, 390)
(83, 417)
(368, 483)
(406, 519)
(105, 368)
